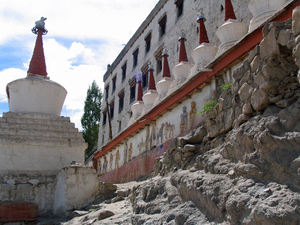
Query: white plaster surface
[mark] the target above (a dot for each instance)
(163, 86)
(229, 33)
(38, 142)
(181, 71)
(36, 95)
(203, 54)
(76, 187)
(262, 10)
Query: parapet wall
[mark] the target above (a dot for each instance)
(72, 188)
(37, 189)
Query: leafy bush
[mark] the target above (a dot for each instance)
(226, 86)
(208, 106)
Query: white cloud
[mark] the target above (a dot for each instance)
(75, 18)
(7, 76)
(98, 28)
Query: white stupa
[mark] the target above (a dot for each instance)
(33, 135)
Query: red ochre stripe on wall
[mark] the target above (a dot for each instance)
(243, 48)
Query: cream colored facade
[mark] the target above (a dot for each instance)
(183, 116)
(214, 14)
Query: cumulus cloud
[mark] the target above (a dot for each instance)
(7, 76)
(84, 36)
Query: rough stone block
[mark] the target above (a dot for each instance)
(245, 92)
(189, 148)
(11, 182)
(34, 181)
(269, 45)
(173, 145)
(255, 64)
(245, 77)
(259, 99)
(284, 37)
(198, 136)
(273, 73)
(247, 109)
(253, 53)
(296, 21)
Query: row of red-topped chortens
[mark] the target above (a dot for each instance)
(155, 98)
(213, 140)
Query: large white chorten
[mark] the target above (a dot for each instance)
(33, 135)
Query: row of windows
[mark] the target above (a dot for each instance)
(144, 69)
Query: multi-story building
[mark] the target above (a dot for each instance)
(131, 138)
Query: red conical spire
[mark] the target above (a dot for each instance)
(166, 68)
(182, 51)
(37, 64)
(203, 33)
(140, 91)
(151, 78)
(229, 13)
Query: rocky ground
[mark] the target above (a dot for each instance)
(240, 166)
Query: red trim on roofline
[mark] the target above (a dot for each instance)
(238, 51)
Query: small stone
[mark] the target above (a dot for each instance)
(255, 64)
(245, 92)
(269, 45)
(105, 214)
(34, 181)
(282, 103)
(173, 145)
(275, 99)
(188, 154)
(231, 173)
(284, 37)
(189, 148)
(253, 53)
(78, 213)
(296, 21)
(198, 136)
(11, 182)
(117, 199)
(259, 99)
(247, 108)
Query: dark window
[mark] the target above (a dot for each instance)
(145, 76)
(106, 92)
(111, 112)
(132, 90)
(158, 65)
(120, 125)
(135, 57)
(121, 101)
(158, 57)
(104, 116)
(148, 43)
(179, 7)
(124, 71)
(162, 26)
(114, 80)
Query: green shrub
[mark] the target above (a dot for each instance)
(208, 106)
(226, 86)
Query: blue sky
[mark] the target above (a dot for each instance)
(83, 37)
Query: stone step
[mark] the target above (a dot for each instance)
(35, 116)
(65, 127)
(44, 143)
(71, 133)
(47, 142)
(50, 122)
